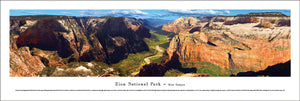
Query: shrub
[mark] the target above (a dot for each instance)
(173, 73)
(98, 68)
(48, 71)
(210, 69)
(72, 73)
(156, 59)
(165, 45)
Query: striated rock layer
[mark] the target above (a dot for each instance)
(22, 63)
(185, 24)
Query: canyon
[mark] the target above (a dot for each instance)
(59, 40)
(249, 42)
(252, 44)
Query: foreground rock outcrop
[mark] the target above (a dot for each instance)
(22, 63)
(152, 69)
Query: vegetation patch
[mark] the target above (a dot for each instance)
(98, 67)
(156, 39)
(165, 45)
(156, 59)
(72, 73)
(47, 71)
(211, 69)
(132, 63)
(173, 73)
(279, 48)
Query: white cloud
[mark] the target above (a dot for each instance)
(67, 13)
(194, 12)
(227, 12)
(29, 12)
(140, 12)
(90, 12)
(127, 12)
(117, 13)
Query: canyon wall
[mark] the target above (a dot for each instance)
(74, 39)
(232, 42)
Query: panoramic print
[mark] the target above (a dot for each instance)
(150, 43)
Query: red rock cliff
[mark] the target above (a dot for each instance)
(233, 42)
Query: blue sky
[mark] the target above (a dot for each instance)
(168, 14)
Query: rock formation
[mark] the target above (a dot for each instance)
(181, 24)
(281, 69)
(106, 39)
(152, 69)
(268, 20)
(256, 42)
(234, 42)
(22, 63)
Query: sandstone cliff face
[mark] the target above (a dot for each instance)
(236, 20)
(118, 39)
(271, 22)
(48, 58)
(106, 39)
(16, 28)
(184, 24)
(46, 35)
(227, 52)
(22, 63)
(233, 42)
(264, 14)
(82, 36)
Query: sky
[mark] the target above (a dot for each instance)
(167, 14)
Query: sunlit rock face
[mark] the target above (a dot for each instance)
(22, 63)
(250, 42)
